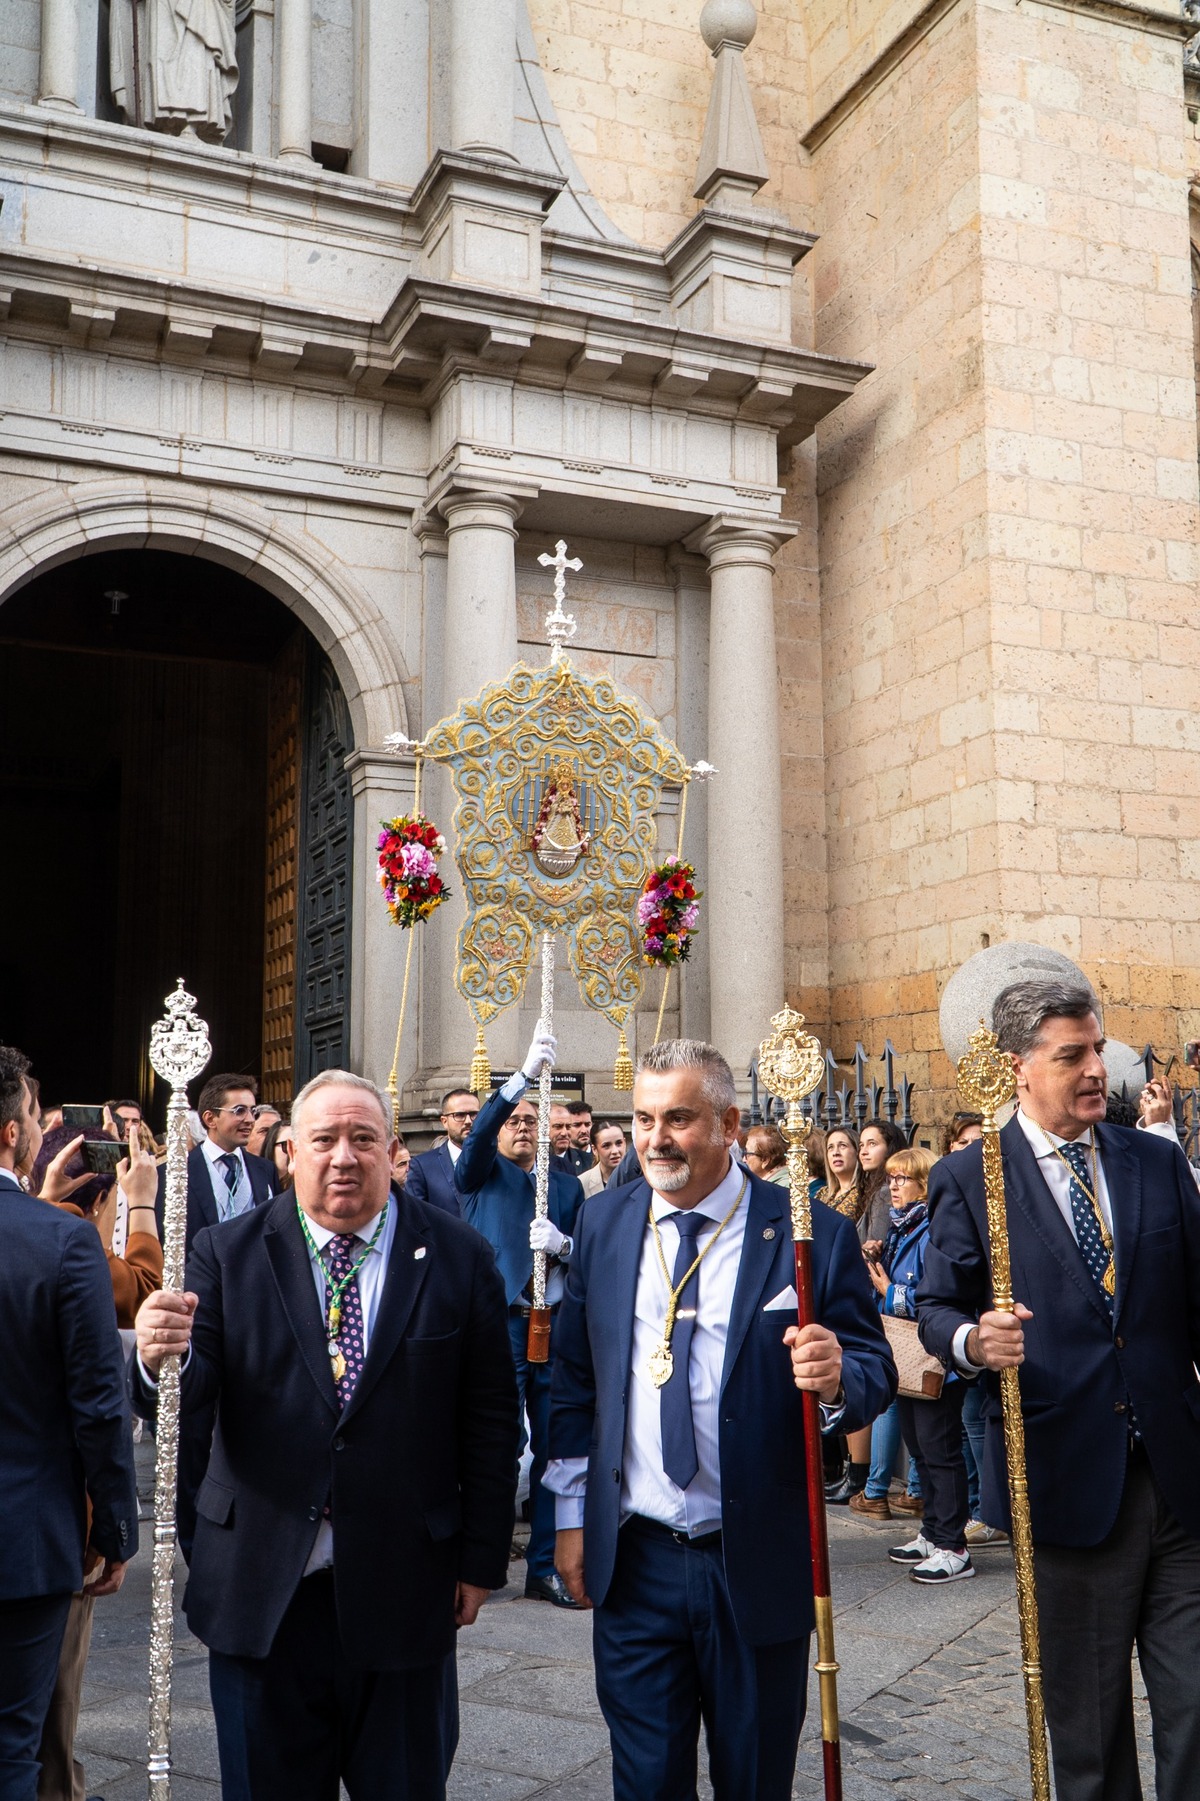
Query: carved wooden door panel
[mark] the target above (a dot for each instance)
(284, 697)
(326, 848)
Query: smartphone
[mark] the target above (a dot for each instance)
(84, 1119)
(101, 1155)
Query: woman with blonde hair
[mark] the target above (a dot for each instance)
(932, 1429)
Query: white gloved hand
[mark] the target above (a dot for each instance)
(542, 1050)
(544, 1235)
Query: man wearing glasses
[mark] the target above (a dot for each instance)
(224, 1180)
(431, 1175)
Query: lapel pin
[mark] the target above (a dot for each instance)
(768, 1231)
(419, 1253)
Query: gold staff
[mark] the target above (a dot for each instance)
(791, 1064)
(986, 1081)
(179, 1050)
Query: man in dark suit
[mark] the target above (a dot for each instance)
(64, 1430)
(224, 1180)
(677, 1440)
(495, 1179)
(358, 1503)
(1104, 1235)
(431, 1175)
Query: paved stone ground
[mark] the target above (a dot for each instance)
(930, 1691)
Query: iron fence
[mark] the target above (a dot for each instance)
(836, 1103)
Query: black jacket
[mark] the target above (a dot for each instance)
(420, 1470)
(201, 1199)
(431, 1179)
(63, 1421)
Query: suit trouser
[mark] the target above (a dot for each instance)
(31, 1635)
(669, 1655)
(293, 1724)
(1140, 1585)
(533, 1382)
(62, 1777)
(933, 1433)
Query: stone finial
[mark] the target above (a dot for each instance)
(733, 165)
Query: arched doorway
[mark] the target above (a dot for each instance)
(173, 747)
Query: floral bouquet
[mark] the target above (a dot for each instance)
(409, 848)
(668, 911)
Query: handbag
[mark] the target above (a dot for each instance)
(922, 1376)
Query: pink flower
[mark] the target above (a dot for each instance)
(419, 864)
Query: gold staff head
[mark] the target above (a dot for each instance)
(986, 1077)
(791, 1064)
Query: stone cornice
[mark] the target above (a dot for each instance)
(876, 71)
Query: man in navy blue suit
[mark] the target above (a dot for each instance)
(1104, 1232)
(495, 1179)
(359, 1502)
(64, 1433)
(431, 1175)
(677, 1440)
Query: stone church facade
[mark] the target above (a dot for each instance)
(852, 349)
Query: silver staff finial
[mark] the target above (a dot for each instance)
(560, 626)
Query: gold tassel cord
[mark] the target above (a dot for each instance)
(662, 1005)
(623, 1067)
(481, 1069)
(392, 1086)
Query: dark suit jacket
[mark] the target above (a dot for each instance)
(1082, 1372)
(202, 1202)
(763, 1494)
(63, 1422)
(419, 1472)
(498, 1195)
(431, 1179)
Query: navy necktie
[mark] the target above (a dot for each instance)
(1087, 1226)
(678, 1429)
(233, 1177)
(344, 1251)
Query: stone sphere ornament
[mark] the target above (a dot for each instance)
(1126, 1071)
(971, 992)
(728, 22)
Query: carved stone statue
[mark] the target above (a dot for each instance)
(185, 53)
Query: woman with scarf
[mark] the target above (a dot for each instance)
(932, 1430)
(845, 1192)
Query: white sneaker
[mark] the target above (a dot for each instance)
(916, 1551)
(977, 1533)
(944, 1566)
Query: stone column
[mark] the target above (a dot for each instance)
(294, 45)
(58, 82)
(483, 49)
(480, 632)
(745, 830)
(692, 630)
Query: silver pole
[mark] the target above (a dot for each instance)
(542, 1202)
(179, 1050)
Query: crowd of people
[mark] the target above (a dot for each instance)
(358, 1390)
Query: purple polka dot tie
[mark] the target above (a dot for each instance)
(343, 1252)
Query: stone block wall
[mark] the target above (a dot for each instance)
(20, 50)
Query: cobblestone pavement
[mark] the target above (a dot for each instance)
(930, 1690)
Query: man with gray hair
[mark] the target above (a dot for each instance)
(678, 1445)
(1104, 1237)
(359, 1500)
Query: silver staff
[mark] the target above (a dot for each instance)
(538, 1347)
(179, 1050)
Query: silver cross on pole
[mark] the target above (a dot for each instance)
(559, 625)
(179, 1050)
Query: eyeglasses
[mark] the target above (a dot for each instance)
(241, 1110)
(465, 1113)
(899, 1181)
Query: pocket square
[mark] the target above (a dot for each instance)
(787, 1298)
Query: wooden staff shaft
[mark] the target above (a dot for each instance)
(1018, 1487)
(826, 1665)
(537, 1348)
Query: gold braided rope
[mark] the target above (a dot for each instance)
(393, 1089)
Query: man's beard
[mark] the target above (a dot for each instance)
(670, 1174)
(21, 1157)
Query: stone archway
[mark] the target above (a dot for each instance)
(297, 568)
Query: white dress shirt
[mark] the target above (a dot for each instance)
(1057, 1176)
(370, 1286)
(228, 1206)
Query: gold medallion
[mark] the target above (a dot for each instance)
(661, 1364)
(1109, 1279)
(337, 1361)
